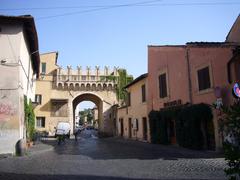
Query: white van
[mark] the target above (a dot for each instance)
(63, 129)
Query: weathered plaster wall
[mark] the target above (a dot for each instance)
(15, 74)
(9, 121)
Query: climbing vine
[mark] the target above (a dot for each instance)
(29, 119)
(122, 80)
(188, 125)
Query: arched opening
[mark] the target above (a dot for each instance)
(88, 87)
(110, 87)
(99, 87)
(94, 87)
(71, 86)
(77, 86)
(86, 115)
(60, 86)
(82, 87)
(98, 108)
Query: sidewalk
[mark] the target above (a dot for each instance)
(39, 147)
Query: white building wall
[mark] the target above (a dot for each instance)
(26, 71)
(13, 85)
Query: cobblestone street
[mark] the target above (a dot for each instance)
(111, 158)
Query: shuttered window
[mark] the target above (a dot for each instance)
(143, 93)
(43, 68)
(203, 79)
(162, 85)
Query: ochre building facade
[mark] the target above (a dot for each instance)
(59, 91)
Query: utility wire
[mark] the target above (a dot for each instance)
(193, 4)
(99, 9)
(144, 3)
(83, 6)
(124, 5)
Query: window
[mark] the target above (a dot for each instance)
(38, 98)
(43, 68)
(40, 122)
(203, 79)
(92, 78)
(143, 93)
(84, 78)
(162, 85)
(135, 125)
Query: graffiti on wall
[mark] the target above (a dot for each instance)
(6, 112)
(6, 109)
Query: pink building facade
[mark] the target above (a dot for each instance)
(198, 72)
(190, 74)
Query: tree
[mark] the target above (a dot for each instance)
(230, 127)
(86, 113)
(29, 119)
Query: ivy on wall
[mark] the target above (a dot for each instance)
(188, 125)
(188, 121)
(122, 80)
(29, 119)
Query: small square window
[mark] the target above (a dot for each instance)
(43, 68)
(40, 122)
(84, 78)
(38, 98)
(92, 78)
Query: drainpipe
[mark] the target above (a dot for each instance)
(189, 76)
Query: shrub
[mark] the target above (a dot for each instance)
(188, 121)
(230, 124)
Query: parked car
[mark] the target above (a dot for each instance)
(63, 129)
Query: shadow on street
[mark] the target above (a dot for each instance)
(118, 148)
(11, 176)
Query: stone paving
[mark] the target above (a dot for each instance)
(111, 158)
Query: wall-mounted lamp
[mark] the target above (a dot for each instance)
(3, 61)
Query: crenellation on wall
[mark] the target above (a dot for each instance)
(87, 79)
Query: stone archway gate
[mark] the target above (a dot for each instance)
(74, 86)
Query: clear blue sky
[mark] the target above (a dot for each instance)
(118, 36)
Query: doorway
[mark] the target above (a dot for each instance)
(171, 130)
(121, 127)
(144, 128)
(130, 127)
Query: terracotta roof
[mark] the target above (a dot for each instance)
(210, 44)
(139, 78)
(31, 32)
